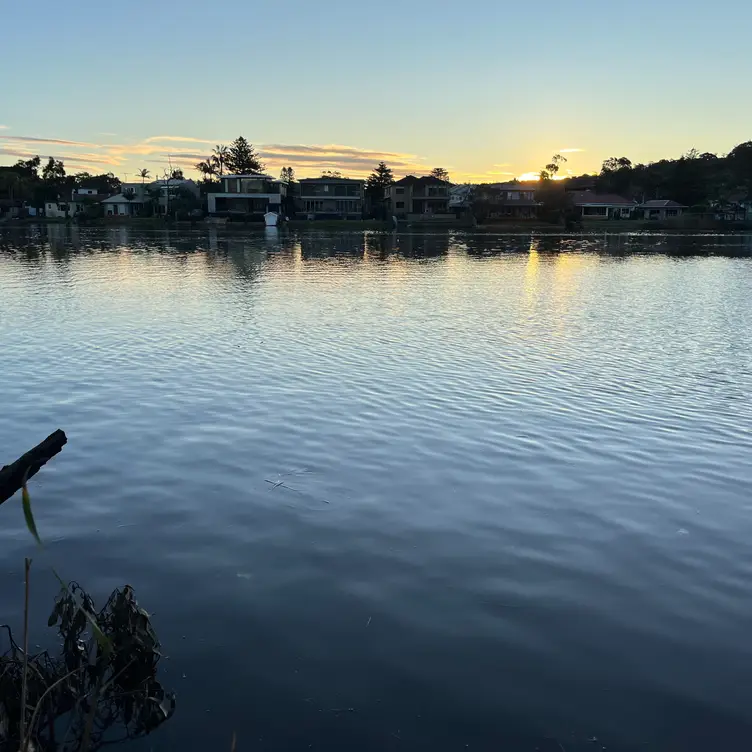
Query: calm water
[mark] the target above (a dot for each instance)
(438, 492)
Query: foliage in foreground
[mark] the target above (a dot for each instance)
(102, 688)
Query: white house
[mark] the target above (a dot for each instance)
(254, 193)
(63, 208)
(134, 197)
(461, 197)
(129, 202)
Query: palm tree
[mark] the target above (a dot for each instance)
(143, 174)
(207, 168)
(218, 158)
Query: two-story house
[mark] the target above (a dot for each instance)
(251, 194)
(332, 198)
(511, 200)
(65, 207)
(414, 195)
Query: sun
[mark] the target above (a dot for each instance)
(536, 176)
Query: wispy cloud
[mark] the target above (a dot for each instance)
(35, 140)
(4, 127)
(186, 151)
(186, 139)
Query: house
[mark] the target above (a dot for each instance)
(63, 208)
(593, 206)
(661, 209)
(11, 208)
(167, 190)
(511, 200)
(461, 197)
(734, 207)
(253, 193)
(414, 195)
(130, 202)
(332, 197)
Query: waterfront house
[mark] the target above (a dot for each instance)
(130, 202)
(595, 206)
(661, 209)
(418, 196)
(461, 197)
(332, 198)
(511, 200)
(11, 208)
(163, 192)
(69, 206)
(252, 194)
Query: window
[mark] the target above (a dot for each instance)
(399, 191)
(595, 211)
(400, 205)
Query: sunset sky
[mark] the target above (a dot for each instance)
(489, 89)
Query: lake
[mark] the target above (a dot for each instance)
(418, 492)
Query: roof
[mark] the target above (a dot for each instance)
(425, 180)
(590, 198)
(119, 198)
(257, 175)
(513, 185)
(330, 180)
(662, 204)
(82, 198)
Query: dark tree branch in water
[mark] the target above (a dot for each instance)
(13, 476)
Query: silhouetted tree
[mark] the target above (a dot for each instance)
(440, 173)
(287, 175)
(378, 181)
(242, 158)
(53, 171)
(219, 159)
(552, 168)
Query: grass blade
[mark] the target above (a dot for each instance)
(28, 515)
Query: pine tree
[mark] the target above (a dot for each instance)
(378, 181)
(242, 158)
(440, 173)
(287, 175)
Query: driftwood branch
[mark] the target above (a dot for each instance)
(13, 476)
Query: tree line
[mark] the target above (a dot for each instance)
(27, 180)
(698, 180)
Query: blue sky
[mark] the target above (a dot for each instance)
(489, 89)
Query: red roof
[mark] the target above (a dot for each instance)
(590, 198)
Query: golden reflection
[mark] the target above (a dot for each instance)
(532, 271)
